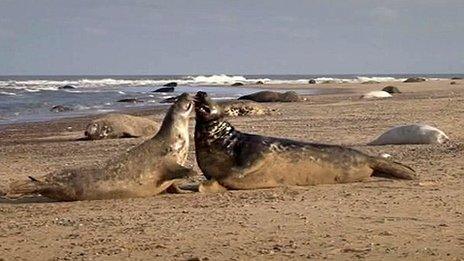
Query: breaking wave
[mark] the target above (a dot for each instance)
(201, 80)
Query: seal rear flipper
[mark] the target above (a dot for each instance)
(391, 169)
(28, 187)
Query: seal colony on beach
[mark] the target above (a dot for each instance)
(146, 170)
(231, 159)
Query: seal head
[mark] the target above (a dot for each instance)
(205, 109)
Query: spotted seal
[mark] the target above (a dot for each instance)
(116, 125)
(145, 170)
(231, 159)
(235, 108)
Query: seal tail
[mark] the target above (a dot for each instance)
(391, 169)
(28, 187)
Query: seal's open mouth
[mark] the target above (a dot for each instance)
(202, 103)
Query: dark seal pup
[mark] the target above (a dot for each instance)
(231, 159)
(143, 171)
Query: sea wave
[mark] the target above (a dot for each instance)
(8, 93)
(201, 80)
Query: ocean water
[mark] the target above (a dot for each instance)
(30, 98)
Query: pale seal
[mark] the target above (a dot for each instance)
(143, 171)
(270, 96)
(231, 159)
(411, 134)
(376, 95)
(116, 125)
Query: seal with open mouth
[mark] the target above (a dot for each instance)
(146, 170)
(231, 159)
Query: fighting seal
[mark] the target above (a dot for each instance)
(411, 134)
(116, 125)
(270, 96)
(143, 171)
(231, 159)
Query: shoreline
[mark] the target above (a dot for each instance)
(323, 89)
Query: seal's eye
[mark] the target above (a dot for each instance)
(189, 106)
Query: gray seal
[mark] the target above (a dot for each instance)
(116, 125)
(231, 159)
(391, 89)
(144, 171)
(270, 96)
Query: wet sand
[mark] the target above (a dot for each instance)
(378, 219)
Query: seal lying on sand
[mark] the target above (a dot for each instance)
(411, 134)
(268, 96)
(113, 126)
(231, 159)
(235, 108)
(143, 171)
(376, 94)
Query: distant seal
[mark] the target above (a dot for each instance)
(411, 134)
(391, 89)
(130, 100)
(376, 95)
(116, 125)
(170, 84)
(415, 79)
(270, 96)
(61, 108)
(143, 171)
(237, 84)
(231, 159)
(165, 89)
(66, 87)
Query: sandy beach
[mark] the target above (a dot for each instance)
(378, 219)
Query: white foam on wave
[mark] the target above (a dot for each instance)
(32, 90)
(8, 93)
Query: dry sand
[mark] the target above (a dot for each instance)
(379, 219)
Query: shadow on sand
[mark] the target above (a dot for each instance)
(26, 200)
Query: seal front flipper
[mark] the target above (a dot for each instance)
(176, 171)
(172, 174)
